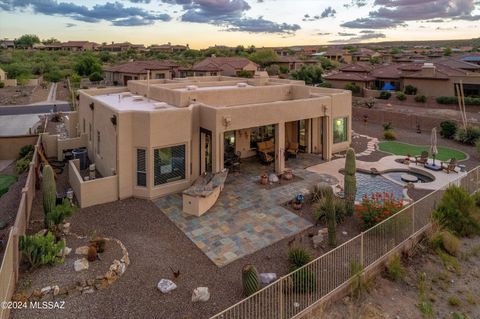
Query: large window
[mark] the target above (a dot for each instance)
(168, 164)
(141, 167)
(260, 134)
(340, 130)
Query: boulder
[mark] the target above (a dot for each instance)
(165, 286)
(266, 278)
(83, 250)
(56, 290)
(273, 178)
(317, 240)
(64, 252)
(46, 290)
(81, 264)
(200, 294)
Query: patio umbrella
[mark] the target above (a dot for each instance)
(433, 145)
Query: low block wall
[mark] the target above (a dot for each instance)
(88, 193)
(10, 145)
(70, 143)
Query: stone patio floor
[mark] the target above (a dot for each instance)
(247, 217)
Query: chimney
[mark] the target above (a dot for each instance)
(429, 69)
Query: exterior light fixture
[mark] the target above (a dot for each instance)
(114, 120)
(92, 106)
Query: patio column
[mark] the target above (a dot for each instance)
(280, 147)
(327, 138)
(217, 150)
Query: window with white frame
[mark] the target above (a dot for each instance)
(340, 130)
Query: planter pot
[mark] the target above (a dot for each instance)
(297, 206)
(287, 174)
(264, 180)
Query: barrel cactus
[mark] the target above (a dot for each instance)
(49, 189)
(350, 182)
(250, 280)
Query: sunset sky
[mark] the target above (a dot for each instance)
(202, 23)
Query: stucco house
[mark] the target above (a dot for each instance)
(157, 137)
(3, 75)
(79, 46)
(229, 66)
(138, 70)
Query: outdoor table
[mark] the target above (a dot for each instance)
(433, 167)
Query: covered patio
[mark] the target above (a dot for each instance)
(247, 216)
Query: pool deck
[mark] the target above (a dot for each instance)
(388, 163)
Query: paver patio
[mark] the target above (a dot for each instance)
(247, 217)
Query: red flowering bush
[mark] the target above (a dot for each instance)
(377, 207)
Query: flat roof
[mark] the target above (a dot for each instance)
(193, 88)
(126, 101)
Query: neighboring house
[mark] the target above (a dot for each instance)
(229, 66)
(199, 71)
(3, 75)
(53, 47)
(138, 70)
(168, 48)
(157, 137)
(430, 79)
(293, 63)
(120, 47)
(79, 46)
(7, 44)
(338, 55)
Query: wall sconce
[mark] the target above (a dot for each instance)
(114, 120)
(92, 106)
(325, 108)
(227, 120)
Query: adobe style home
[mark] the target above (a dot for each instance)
(157, 137)
(226, 66)
(138, 70)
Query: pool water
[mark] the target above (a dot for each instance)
(397, 176)
(369, 183)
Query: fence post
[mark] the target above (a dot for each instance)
(413, 218)
(361, 250)
(281, 299)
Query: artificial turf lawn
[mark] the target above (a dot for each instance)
(397, 148)
(5, 182)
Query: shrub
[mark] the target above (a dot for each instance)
(401, 96)
(250, 280)
(468, 136)
(389, 135)
(58, 214)
(321, 209)
(95, 77)
(350, 181)
(387, 126)
(454, 301)
(377, 207)
(395, 269)
(303, 281)
(476, 198)
(455, 212)
(325, 85)
(358, 286)
(410, 90)
(420, 98)
(448, 129)
(298, 257)
(384, 95)
(40, 250)
(445, 240)
(25, 150)
(22, 164)
(454, 100)
(2, 85)
(355, 88)
(318, 191)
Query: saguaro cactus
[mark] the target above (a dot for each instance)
(350, 181)
(331, 217)
(250, 280)
(49, 189)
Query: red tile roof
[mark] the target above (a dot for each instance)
(349, 76)
(141, 67)
(234, 62)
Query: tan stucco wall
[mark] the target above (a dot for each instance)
(431, 87)
(10, 145)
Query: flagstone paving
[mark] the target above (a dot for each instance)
(247, 217)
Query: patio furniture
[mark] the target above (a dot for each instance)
(266, 147)
(265, 158)
(204, 192)
(450, 166)
(233, 162)
(422, 159)
(292, 149)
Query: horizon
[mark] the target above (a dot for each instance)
(262, 23)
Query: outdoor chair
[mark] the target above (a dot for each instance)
(235, 162)
(450, 166)
(265, 158)
(422, 159)
(292, 149)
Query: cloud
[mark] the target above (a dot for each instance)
(115, 12)
(394, 13)
(356, 3)
(369, 23)
(323, 33)
(344, 34)
(360, 38)
(70, 25)
(140, 1)
(307, 17)
(328, 12)
(229, 14)
(367, 31)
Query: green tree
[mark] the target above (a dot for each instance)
(50, 41)
(447, 51)
(311, 74)
(327, 64)
(27, 41)
(54, 76)
(87, 65)
(105, 56)
(264, 57)
(95, 77)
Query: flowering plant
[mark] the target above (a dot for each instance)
(377, 207)
(299, 198)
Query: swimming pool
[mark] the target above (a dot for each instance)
(369, 183)
(397, 176)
